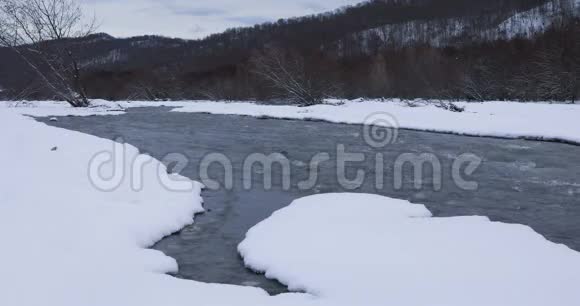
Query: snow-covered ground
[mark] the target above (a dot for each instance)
(540, 121)
(67, 243)
(58, 108)
(372, 250)
(536, 121)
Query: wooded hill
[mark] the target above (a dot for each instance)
(452, 49)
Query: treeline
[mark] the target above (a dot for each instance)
(353, 52)
(544, 68)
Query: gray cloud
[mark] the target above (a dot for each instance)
(247, 20)
(197, 18)
(197, 11)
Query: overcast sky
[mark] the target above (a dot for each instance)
(196, 18)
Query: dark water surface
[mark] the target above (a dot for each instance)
(526, 182)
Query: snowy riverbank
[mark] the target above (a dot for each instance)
(65, 243)
(536, 121)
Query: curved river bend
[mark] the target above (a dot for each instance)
(526, 182)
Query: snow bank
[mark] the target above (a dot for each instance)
(65, 243)
(535, 121)
(59, 108)
(538, 121)
(371, 250)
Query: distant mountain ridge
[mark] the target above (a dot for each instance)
(395, 23)
(525, 23)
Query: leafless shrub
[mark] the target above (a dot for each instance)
(287, 73)
(143, 91)
(36, 30)
(557, 79)
(479, 82)
(24, 93)
(551, 76)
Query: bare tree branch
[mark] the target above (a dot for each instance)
(287, 74)
(36, 30)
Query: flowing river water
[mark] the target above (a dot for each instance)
(526, 182)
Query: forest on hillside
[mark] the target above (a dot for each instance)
(526, 50)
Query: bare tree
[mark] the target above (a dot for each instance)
(24, 93)
(286, 72)
(552, 72)
(38, 30)
(479, 82)
(213, 92)
(143, 91)
(555, 75)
